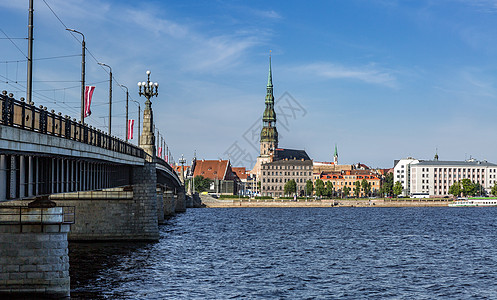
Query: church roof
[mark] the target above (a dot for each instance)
(280, 154)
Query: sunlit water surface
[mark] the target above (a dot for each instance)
(299, 253)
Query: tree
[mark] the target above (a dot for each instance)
(290, 187)
(357, 188)
(320, 191)
(346, 191)
(455, 189)
(468, 187)
(397, 188)
(494, 190)
(329, 188)
(387, 186)
(202, 184)
(309, 187)
(366, 187)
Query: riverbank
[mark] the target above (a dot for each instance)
(328, 203)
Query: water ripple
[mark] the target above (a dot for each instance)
(299, 253)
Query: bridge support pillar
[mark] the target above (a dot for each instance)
(169, 203)
(3, 178)
(34, 261)
(160, 205)
(145, 193)
(181, 200)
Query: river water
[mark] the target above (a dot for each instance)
(299, 253)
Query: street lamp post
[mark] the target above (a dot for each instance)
(182, 161)
(83, 48)
(127, 99)
(139, 113)
(110, 96)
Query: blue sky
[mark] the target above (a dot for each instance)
(382, 79)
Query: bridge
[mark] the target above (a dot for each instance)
(65, 180)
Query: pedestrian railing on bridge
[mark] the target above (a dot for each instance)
(18, 113)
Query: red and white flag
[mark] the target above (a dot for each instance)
(160, 151)
(130, 129)
(88, 94)
(166, 158)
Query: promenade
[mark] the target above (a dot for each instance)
(380, 202)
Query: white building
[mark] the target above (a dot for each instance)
(435, 177)
(402, 173)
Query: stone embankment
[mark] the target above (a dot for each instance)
(209, 201)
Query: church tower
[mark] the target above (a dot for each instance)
(269, 134)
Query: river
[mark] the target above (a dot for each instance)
(299, 253)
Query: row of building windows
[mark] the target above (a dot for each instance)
(286, 173)
(455, 170)
(270, 167)
(283, 180)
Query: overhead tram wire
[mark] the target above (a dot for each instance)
(86, 48)
(61, 105)
(13, 43)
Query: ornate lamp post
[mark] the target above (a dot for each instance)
(83, 46)
(148, 90)
(147, 140)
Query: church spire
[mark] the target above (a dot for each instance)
(269, 134)
(335, 155)
(270, 75)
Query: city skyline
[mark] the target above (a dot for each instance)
(383, 79)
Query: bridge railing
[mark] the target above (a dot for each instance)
(165, 164)
(18, 113)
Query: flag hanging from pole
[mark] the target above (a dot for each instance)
(88, 94)
(130, 129)
(160, 151)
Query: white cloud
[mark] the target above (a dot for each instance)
(368, 74)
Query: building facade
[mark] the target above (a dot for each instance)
(348, 178)
(435, 177)
(402, 173)
(224, 180)
(275, 174)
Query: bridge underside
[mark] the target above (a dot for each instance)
(29, 175)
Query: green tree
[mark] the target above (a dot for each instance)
(309, 187)
(357, 188)
(397, 188)
(468, 187)
(387, 185)
(455, 189)
(320, 191)
(202, 184)
(290, 187)
(366, 187)
(346, 191)
(494, 190)
(329, 188)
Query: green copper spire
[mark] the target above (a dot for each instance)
(270, 75)
(269, 134)
(336, 151)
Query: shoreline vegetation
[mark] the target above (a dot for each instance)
(352, 202)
